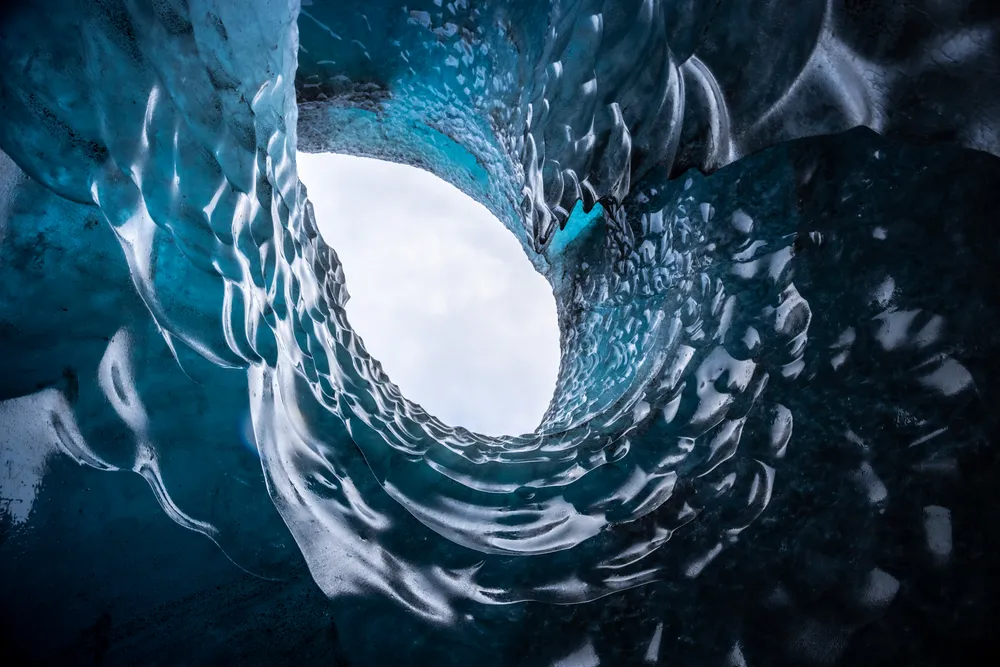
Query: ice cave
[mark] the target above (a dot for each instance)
(769, 229)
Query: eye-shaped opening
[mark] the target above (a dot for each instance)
(441, 293)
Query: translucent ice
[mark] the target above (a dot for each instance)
(722, 476)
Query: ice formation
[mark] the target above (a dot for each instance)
(776, 324)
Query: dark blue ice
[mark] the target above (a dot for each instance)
(770, 228)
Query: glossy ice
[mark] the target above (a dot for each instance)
(774, 403)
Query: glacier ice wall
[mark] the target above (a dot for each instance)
(777, 358)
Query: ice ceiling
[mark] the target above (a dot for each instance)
(776, 324)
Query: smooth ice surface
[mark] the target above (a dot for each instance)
(441, 293)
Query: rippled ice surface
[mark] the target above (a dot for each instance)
(770, 234)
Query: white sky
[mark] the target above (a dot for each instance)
(441, 292)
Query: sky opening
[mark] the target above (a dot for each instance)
(441, 293)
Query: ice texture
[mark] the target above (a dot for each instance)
(769, 229)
